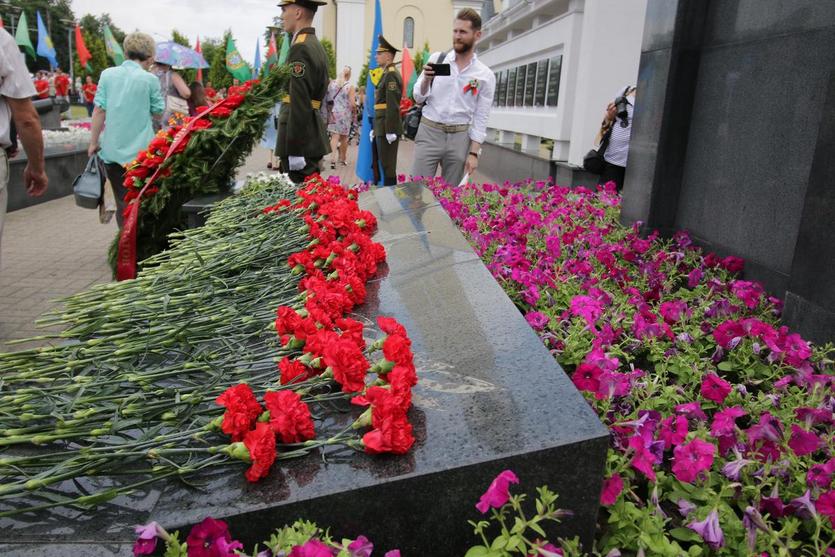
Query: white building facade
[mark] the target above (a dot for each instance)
(558, 63)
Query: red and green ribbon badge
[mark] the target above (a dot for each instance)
(472, 87)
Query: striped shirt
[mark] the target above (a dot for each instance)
(618, 149)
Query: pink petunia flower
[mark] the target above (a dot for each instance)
(724, 421)
(825, 505)
(612, 488)
(715, 388)
(803, 442)
(498, 493)
(692, 459)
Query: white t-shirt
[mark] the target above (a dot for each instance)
(14, 82)
(618, 149)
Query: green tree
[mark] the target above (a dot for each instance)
(92, 30)
(217, 65)
(328, 46)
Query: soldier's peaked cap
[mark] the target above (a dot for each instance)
(310, 4)
(386, 46)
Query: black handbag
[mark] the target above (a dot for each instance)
(411, 122)
(593, 161)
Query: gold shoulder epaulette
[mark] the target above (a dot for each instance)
(301, 38)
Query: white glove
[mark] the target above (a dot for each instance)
(296, 163)
(391, 137)
(371, 136)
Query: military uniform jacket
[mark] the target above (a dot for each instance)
(387, 103)
(301, 130)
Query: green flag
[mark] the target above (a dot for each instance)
(235, 64)
(114, 51)
(284, 52)
(21, 37)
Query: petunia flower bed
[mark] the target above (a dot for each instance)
(721, 419)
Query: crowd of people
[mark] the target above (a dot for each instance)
(319, 116)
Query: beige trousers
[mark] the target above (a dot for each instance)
(435, 147)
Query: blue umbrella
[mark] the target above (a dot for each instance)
(175, 54)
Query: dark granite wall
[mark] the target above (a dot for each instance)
(728, 127)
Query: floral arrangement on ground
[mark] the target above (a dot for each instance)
(721, 420)
(130, 393)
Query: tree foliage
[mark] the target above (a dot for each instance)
(57, 16)
(328, 46)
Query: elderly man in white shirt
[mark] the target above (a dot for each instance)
(457, 106)
(16, 91)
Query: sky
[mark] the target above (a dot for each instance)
(208, 18)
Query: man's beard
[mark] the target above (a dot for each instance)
(462, 48)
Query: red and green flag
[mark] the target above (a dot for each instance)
(199, 51)
(407, 69)
(84, 55)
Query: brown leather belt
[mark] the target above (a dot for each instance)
(446, 128)
(315, 105)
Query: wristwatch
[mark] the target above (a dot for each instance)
(476, 154)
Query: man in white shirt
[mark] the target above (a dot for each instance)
(457, 106)
(16, 91)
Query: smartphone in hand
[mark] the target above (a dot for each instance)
(441, 69)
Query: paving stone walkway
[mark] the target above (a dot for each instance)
(56, 249)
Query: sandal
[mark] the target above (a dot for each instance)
(270, 165)
(333, 165)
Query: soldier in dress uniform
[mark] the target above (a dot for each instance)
(302, 139)
(388, 125)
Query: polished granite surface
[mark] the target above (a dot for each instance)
(490, 397)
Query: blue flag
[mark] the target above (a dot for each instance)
(45, 46)
(365, 170)
(256, 66)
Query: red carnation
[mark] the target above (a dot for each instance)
(390, 326)
(260, 443)
(394, 436)
(242, 409)
(289, 416)
(221, 112)
(352, 330)
(348, 364)
(396, 349)
(292, 371)
(234, 101)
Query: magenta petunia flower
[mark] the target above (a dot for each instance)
(360, 547)
(536, 319)
(692, 410)
(802, 506)
(201, 540)
(825, 505)
(673, 431)
(692, 459)
(803, 442)
(749, 292)
(768, 428)
(312, 548)
(612, 488)
(715, 388)
(146, 541)
(498, 493)
(724, 421)
(672, 311)
(710, 530)
(588, 308)
(643, 460)
(587, 377)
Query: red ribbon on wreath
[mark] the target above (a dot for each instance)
(126, 255)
